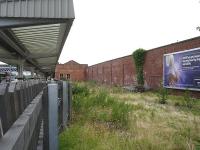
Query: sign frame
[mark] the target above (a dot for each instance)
(178, 88)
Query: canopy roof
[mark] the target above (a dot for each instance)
(34, 32)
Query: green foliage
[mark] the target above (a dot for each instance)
(120, 114)
(138, 57)
(80, 89)
(101, 121)
(163, 95)
(72, 139)
(188, 99)
(111, 109)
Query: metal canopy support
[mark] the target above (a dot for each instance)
(20, 68)
(32, 69)
(53, 115)
(23, 22)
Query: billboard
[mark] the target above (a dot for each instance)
(181, 70)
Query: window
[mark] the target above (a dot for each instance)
(61, 76)
(68, 76)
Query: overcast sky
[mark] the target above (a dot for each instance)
(107, 29)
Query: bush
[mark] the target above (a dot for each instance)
(163, 95)
(80, 89)
(188, 100)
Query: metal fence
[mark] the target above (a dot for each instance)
(57, 111)
(15, 97)
(27, 107)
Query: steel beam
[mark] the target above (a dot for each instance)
(42, 56)
(7, 56)
(23, 22)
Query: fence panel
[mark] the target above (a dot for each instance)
(5, 109)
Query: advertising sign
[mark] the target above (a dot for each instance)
(181, 70)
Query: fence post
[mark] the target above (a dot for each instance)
(69, 101)
(53, 115)
(1, 129)
(65, 103)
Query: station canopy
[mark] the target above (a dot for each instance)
(33, 32)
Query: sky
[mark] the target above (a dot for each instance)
(108, 29)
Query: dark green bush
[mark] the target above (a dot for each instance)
(80, 89)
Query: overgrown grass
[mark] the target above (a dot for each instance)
(106, 118)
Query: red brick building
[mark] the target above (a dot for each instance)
(121, 71)
(71, 70)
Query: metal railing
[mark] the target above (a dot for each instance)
(57, 111)
(31, 108)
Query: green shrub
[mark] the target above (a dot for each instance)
(162, 95)
(188, 100)
(80, 89)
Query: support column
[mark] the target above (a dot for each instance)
(32, 69)
(53, 115)
(20, 68)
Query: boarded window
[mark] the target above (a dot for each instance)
(61, 76)
(68, 76)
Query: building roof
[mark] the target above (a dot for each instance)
(34, 31)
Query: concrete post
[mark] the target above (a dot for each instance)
(69, 101)
(53, 115)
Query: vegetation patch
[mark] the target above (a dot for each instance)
(106, 118)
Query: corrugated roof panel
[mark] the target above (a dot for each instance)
(39, 39)
(37, 8)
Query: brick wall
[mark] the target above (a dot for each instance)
(76, 71)
(121, 71)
